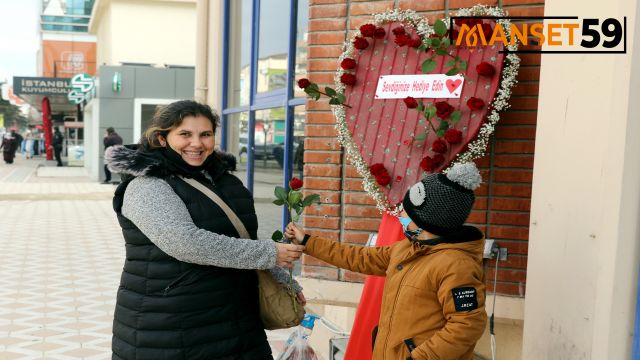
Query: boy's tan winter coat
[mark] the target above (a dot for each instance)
(418, 299)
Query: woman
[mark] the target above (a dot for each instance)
(189, 288)
(9, 147)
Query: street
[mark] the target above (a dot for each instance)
(62, 255)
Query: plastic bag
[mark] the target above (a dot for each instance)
(297, 346)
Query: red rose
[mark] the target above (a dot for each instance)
(368, 30)
(398, 30)
(379, 33)
(475, 104)
(485, 69)
(415, 42)
(402, 39)
(304, 83)
(360, 43)
(430, 163)
(411, 102)
(348, 79)
(383, 179)
(295, 183)
(453, 136)
(377, 169)
(487, 30)
(398, 178)
(348, 64)
(443, 109)
(439, 146)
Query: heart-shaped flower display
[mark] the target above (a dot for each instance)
(395, 142)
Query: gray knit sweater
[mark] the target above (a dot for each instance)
(152, 205)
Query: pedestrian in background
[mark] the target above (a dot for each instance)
(58, 141)
(110, 139)
(189, 289)
(27, 147)
(434, 293)
(9, 147)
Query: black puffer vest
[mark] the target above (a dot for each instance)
(169, 309)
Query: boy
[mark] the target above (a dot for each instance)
(434, 293)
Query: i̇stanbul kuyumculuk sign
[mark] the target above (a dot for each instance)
(40, 86)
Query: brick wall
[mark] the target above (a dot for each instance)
(349, 215)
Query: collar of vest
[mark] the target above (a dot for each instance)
(131, 161)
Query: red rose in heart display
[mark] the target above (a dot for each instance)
(411, 102)
(348, 79)
(453, 136)
(348, 64)
(475, 104)
(368, 30)
(439, 146)
(405, 137)
(380, 33)
(360, 43)
(485, 69)
(377, 169)
(443, 109)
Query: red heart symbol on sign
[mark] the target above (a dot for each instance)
(452, 85)
(396, 136)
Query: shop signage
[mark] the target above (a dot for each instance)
(81, 88)
(40, 86)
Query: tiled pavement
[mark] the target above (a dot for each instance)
(60, 265)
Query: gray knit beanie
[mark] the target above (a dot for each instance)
(440, 204)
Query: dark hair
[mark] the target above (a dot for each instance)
(170, 117)
(110, 130)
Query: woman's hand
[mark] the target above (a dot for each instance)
(301, 299)
(294, 233)
(287, 254)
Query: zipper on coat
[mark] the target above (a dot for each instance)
(386, 340)
(176, 281)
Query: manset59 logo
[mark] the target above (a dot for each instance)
(561, 34)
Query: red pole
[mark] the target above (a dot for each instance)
(46, 124)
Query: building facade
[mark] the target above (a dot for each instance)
(573, 261)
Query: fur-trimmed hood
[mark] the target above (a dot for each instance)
(130, 160)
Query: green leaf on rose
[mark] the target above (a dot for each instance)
(294, 198)
(341, 98)
(329, 91)
(440, 27)
(429, 65)
(313, 198)
(280, 193)
(450, 63)
(446, 42)
(455, 116)
(334, 101)
(435, 42)
(430, 112)
(442, 128)
(420, 137)
(277, 235)
(278, 202)
(463, 65)
(453, 71)
(442, 52)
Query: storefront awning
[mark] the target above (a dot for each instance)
(34, 89)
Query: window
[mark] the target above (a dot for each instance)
(262, 120)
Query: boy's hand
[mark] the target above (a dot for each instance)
(294, 233)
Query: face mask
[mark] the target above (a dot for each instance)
(405, 221)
